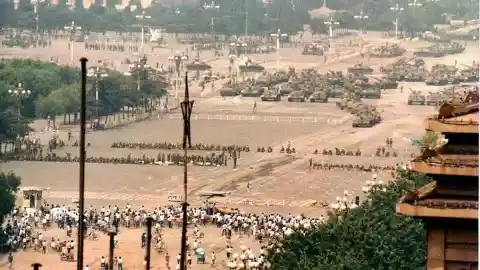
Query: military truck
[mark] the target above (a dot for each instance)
(296, 96)
(252, 91)
(271, 95)
(319, 97)
(416, 98)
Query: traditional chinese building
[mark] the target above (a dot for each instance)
(449, 205)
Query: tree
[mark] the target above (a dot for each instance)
(370, 236)
(9, 184)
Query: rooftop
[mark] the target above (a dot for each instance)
(456, 118)
(430, 201)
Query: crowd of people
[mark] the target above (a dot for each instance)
(26, 231)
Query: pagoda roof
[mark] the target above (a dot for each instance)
(428, 202)
(455, 118)
(444, 164)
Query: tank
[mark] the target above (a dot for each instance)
(198, 65)
(251, 67)
(388, 50)
(297, 96)
(335, 92)
(363, 122)
(416, 98)
(453, 48)
(284, 89)
(386, 83)
(431, 51)
(271, 95)
(360, 68)
(229, 92)
(319, 97)
(436, 80)
(252, 91)
(372, 93)
(434, 99)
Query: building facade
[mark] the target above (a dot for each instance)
(449, 204)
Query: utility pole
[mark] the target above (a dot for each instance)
(397, 9)
(330, 24)
(278, 36)
(361, 17)
(142, 18)
(187, 107)
(73, 30)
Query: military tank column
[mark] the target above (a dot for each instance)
(366, 115)
(440, 49)
(388, 50)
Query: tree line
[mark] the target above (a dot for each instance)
(371, 236)
(230, 17)
(55, 90)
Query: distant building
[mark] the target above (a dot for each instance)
(449, 205)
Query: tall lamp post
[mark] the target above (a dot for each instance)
(397, 9)
(97, 74)
(20, 94)
(213, 7)
(361, 17)
(414, 5)
(278, 36)
(72, 30)
(140, 65)
(330, 24)
(177, 60)
(142, 18)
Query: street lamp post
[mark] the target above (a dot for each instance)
(97, 73)
(138, 66)
(278, 36)
(143, 17)
(73, 30)
(178, 60)
(20, 93)
(414, 4)
(246, 19)
(361, 17)
(330, 24)
(397, 9)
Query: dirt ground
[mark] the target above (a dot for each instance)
(278, 183)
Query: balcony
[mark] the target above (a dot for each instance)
(461, 165)
(439, 208)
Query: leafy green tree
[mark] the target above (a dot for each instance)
(9, 184)
(371, 236)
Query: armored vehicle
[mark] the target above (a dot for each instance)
(434, 99)
(363, 122)
(414, 76)
(372, 93)
(271, 95)
(284, 89)
(251, 67)
(229, 92)
(335, 92)
(436, 80)
(388, 50)
(252, 91)
(453, 48)
(198, 66)
(360, 68)
(319, 97)
(416, 98)
(297, 96)
(431, 51)
(386, 83)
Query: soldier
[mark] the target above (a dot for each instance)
(254, 107)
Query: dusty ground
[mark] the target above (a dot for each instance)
(278, 183)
